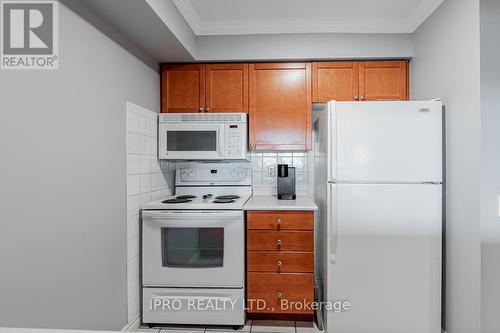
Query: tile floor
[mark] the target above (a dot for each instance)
(257, 326)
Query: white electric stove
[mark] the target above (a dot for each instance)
(193, 247)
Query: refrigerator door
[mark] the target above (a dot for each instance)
(385, 258)
(385, 141)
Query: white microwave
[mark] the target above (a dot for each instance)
(202, 136)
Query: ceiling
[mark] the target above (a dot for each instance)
(244, 17)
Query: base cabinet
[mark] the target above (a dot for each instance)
(289, 293)
(280, 262)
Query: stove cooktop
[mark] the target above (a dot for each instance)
(200, 201)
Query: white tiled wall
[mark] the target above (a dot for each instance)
(147, 179)
(264, 171)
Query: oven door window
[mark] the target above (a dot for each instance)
(192, 247)
(191, 140)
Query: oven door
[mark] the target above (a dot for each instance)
(193, 249)
(191, 141)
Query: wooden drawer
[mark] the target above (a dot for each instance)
(280, 220)
(280, 240)
(275, 289)
(280, 262)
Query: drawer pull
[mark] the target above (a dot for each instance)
(279, 263)
(279, 221)
(279, 242)
(279, 294)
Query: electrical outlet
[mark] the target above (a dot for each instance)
(271, 170)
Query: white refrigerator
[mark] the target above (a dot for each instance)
(379, 190)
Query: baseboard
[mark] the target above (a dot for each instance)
(134, 325)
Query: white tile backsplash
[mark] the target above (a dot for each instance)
(133, 184)
(300, 179)
(145, 164)
(132, 248)
(132, 143)
(133, 205)
(133, 226)
(133, 271)
(146, 183)
(264, 170)
(257, 178)
(256, 162)
(133, 164)
(284, 158)
(148, 179)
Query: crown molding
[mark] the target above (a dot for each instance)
(187, 10)
(423, 12)
(281, 26)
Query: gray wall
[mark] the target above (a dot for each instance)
(490, 180)
(62, 176)
(135, 26)
(446, 65)
(303, 46)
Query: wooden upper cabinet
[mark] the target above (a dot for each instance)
(383, 80)
(227, 88)
(336, 80)
(183, 88)
(205, 88)
(280, 106)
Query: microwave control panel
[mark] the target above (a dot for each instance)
(235, 141)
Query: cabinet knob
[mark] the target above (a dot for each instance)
(207, 109)
(201, 109)
(279, 294)
(279, 221)
(279, 242)
(279, 263)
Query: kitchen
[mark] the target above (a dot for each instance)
(281, 83)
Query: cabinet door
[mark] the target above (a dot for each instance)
(227, 88)
(336, 80)
(383, 80)
(183, 88)
(280, 106)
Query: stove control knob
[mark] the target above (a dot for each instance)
(241, 174)
(184, 174)
(233, 173)
(192, 174)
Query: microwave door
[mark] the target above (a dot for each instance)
(191, 141)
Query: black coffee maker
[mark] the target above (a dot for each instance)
(286, 182)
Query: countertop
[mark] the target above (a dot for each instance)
(271, 202)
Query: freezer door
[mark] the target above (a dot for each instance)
(385, 258)
(386, 141)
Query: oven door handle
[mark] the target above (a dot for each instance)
(189, 215)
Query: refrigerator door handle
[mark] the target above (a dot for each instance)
(333, 223)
